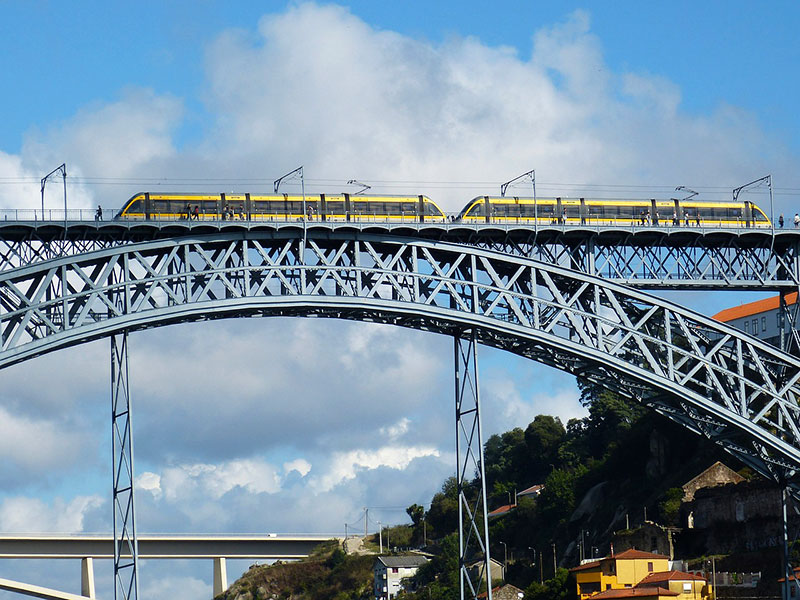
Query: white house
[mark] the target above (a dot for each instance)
(389, 572)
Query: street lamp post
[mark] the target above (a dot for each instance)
(532, 175)
(277, 184)
(63, 170)
(505, 563)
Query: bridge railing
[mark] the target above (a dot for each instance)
(74, 215)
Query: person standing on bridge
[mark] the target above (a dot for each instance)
(780, 221)
(196, 213)
(796, 220)
(98, 215)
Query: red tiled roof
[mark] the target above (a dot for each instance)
(669, 576)
(632, 554)
(534, 489)
(753, 308)
(626, 555)
(502, 510)
(588, 565)
(634, 593)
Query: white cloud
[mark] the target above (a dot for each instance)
(397, 430)
(211, 480)
(20, 514)
(300, 465)
(347, 465)
(36, 445)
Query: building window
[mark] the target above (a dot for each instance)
(394, 569)
(763, 323)
(649, 567)
(747, 326)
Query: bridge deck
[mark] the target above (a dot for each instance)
(670, 236)
(162, 546)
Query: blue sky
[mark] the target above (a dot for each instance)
(60, 59)
(448, 99)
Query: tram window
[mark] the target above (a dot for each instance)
(136, 207)
(409, 208)
(160, 206)
(335, 208)
(478, 209)
(596, 211)
(763, 323)
(430, 209)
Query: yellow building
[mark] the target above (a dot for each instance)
(618, 571)
(649, 593)
(687, 586)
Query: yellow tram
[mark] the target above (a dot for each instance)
(280, 207)
(585, 211)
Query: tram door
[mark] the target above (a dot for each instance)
(147, 205)
(347, 207)
(421, 209)
(248, 207)
(487, 209)
(748, 213)
(323, 208)
(559, 216)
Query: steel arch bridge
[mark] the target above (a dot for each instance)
(717, 381)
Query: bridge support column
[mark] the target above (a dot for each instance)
(87, 577)
(473, 525)
(220, 576)
(126, 550)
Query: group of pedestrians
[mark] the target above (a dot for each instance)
(796, 221)
(646, 218)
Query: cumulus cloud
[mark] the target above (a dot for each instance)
(19, 514)
(354, 100)
(33, 447)
(346, 465)
(246, 387)
(211, 480)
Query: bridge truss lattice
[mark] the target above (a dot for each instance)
(578, 311)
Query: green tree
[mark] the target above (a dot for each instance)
(670, 505)
(416, 513)
(443, 514)
(557, 588)
(543, 437)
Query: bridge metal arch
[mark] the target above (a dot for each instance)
(715, 380)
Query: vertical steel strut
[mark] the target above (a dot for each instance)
(126, 549)
(473, 525)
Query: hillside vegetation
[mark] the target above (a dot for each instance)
(329, 574)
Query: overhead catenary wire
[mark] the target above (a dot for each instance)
(91, 180)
